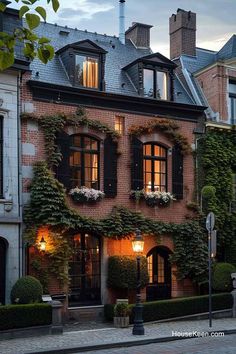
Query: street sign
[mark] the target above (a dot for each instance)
(210, 221)
(213, 243)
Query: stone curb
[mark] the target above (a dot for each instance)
(131, 343)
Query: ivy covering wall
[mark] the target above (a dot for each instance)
(217, 166)
(190, 239)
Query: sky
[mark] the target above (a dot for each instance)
(216, 20)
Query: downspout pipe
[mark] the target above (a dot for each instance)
(122, 21)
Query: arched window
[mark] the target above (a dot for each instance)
(84, 161)
(155, 167)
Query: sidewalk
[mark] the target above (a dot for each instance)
(109, 337)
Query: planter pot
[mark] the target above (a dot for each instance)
(121, 322)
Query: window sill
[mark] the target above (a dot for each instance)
(5, 201)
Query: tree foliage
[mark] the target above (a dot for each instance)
(34, 46)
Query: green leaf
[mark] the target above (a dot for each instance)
(50, 49)
(32, 20)
(6, 59)
(55, 5)
(43, 40)
(42, 12)
(2, 6)
(23, 10)
(26, 2)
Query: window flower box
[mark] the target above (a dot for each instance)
(86, 195)
(152, 199)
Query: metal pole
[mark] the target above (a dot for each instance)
(138, 328)
(209, 261)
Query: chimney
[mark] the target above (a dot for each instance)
(139, 34)
(182, 28)
(122, 21)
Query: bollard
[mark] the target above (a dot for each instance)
(57, 327)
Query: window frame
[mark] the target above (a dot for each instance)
(155, 70)
(92, 55)
(83, 152)
(1, 155)
(154, 158)
(232, 99)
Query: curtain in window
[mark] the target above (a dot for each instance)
(90, 73)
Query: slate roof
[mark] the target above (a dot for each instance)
(229, 49)
(191, 64)
(118, 56)
(202, 59)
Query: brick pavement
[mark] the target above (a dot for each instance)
(110, 335)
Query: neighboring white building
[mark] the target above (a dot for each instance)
(11, 263)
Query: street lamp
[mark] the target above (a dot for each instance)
(137, 245)
(42, 244)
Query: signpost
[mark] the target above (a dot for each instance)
(210, 223)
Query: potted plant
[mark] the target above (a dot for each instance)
(86, 195)
(157, 198)
(121, 315)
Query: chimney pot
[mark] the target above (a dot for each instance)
(139, 34)
(182, 28)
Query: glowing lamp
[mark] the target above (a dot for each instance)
(42, 244)
(138, 242)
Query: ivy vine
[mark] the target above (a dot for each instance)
(53, 124)
(63, 221)
(217, 166)
(167, 127)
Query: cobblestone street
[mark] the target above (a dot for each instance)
(81, 339)
(220, 345)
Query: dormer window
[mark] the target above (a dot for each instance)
(87, 71)
(152, 76)
(155, 84)
(84, 63)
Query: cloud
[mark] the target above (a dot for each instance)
(83, 9)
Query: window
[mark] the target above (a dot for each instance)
(119, 124)
(155, 84)
(232, 98)
(86, 71)
(1, 156)
(155, 167)
(84, 162)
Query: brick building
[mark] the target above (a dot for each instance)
(120, 83)
(209, 77)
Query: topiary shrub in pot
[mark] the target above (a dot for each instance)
(221, 277)
(26, 290)
(121, 315)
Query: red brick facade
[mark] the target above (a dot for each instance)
(176, 212)
(214, 82)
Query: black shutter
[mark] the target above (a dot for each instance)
(63, 169)
(137, 164)
(177, 172)
(110, 167)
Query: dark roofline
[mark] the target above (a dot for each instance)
(78, 30)
(146, 60)
(206, 50)
(137, 24)
(79, 45)
(43, 91)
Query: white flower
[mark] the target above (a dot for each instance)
(89, 194)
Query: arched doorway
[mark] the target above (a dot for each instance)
(3, 249)
(159, 270)
(85, 271)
